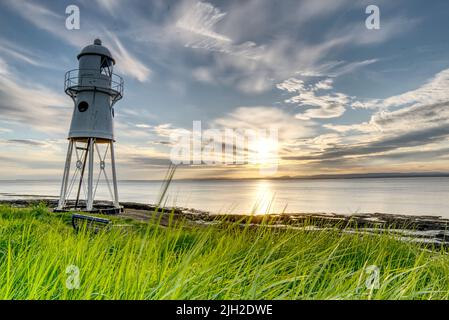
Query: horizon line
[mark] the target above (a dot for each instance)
(370, 175)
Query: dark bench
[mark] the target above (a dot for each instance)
(94, 224)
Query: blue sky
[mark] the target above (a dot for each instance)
(344, 98)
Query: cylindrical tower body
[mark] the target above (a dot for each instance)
(94, 89)
(93, 115)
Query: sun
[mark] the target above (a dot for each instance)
(267, 151)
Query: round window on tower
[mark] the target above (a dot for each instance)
(83, 106)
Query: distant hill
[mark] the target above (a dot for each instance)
(372, 175)
(343, 176)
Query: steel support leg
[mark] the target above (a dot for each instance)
(65, 177)
(114, 175)
(90, 179)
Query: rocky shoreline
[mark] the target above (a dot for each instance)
(425, 229)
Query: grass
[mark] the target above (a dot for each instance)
(149, 261)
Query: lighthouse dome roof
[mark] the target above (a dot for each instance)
(96, 49)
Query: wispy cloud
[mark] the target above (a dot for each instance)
(52, 22)
(435, 90)
(254, 65)
(200, 19)
(128, 63)
(321, 106)
(111, 6)
(16, 52)
(39, 107)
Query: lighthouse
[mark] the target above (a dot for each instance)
(94, 89)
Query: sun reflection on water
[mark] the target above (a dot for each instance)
(263, 197)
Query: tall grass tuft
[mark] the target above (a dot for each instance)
(222, 261)
(165, 184)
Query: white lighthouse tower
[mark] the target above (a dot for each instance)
(94, 89)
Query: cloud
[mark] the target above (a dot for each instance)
(329, 106)
(196, 24)
(415, 131)
(31, 158)
(420, 106)
(52, 22)
(414, 119)
(243, 56)
(246, 19)
(324, 84)
(202, 74)
(365, 127)
(231, 44)
(258, 118)
(131, 154)
(323, 106)
(144, 126)
(34, 105)
(330, 109)
(345, 68)
(388, 143)
(111, 6)
(291, 85)
(165, 130)
(200, 19)
(356, 33)
(417, 126)
(27, 142)
(424, 107)
(19, 53)
(4, 70)
(239, 52)
(146, 161)
(128, 63)
(435, 90)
